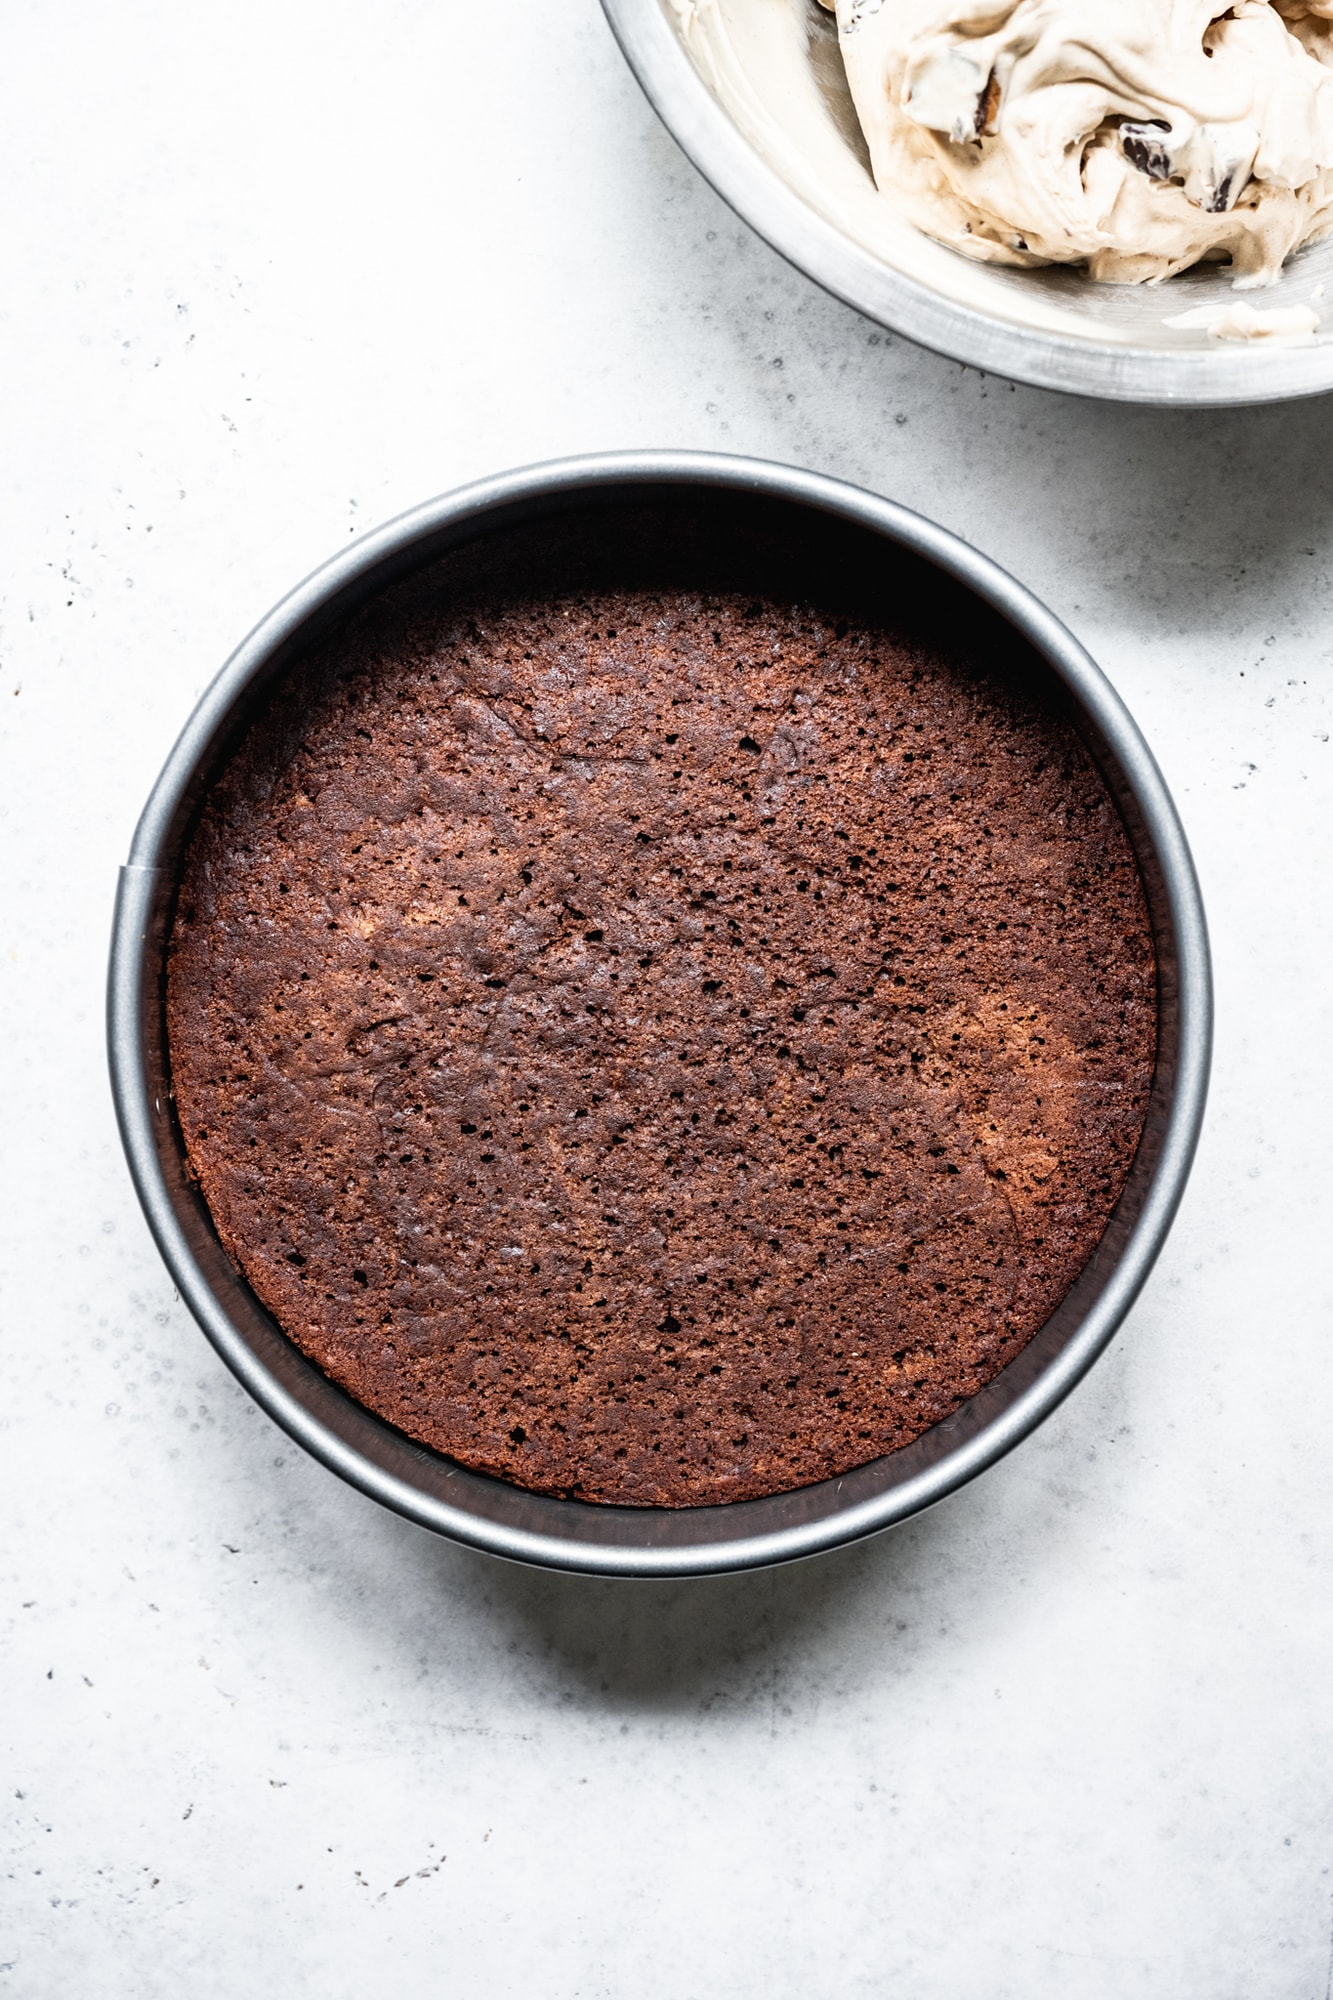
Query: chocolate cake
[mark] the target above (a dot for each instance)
(659, 1048)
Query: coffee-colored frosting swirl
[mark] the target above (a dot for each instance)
(1137, 137)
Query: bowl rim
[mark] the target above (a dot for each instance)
(1231, 375)
(407, 542)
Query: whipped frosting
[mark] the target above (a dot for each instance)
(1137, 137)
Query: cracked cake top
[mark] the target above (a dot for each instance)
(655, 1047)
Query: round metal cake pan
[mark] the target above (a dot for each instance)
(818, 532)
(754, 92)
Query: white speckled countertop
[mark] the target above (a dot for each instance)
(270, 275)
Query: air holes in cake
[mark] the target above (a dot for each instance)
(465, 1367)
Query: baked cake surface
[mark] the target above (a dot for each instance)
(657, 1048)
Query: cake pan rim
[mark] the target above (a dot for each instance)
(494, 500)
